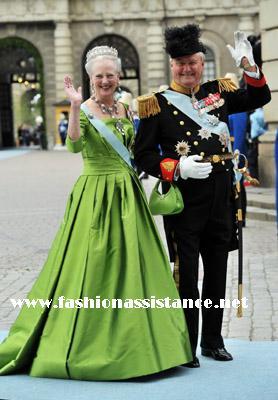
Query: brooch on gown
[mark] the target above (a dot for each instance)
(120, 126)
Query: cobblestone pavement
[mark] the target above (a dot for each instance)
(34, 190)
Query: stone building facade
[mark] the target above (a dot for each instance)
(62, 31)
(269, 29)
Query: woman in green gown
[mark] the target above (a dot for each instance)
(107, 247)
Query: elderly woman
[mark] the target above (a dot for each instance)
(107, 248)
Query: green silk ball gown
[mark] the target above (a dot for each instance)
(107, 246)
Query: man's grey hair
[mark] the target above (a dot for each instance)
(200, 53)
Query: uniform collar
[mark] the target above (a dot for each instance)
(181, 89)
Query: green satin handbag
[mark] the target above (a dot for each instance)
(166, 203)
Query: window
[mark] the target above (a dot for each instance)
(210, 68)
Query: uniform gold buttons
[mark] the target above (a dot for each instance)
(223, 162)
(202, 154)
(195, 143)
(188, 133)
(223, 149)
(168, 102)
(181, 122)
(175, 112)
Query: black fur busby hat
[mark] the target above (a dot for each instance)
(183, 41)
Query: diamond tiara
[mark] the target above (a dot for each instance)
(101, 51)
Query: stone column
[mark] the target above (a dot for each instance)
(246, 24)
(269, 27)
(156, 70)
(63, 56)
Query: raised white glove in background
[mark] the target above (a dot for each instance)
(242, 49)
(190, 168)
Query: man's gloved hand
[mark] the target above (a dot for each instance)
(242, 49)
(190, 168)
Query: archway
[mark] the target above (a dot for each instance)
(21, 88)
(130, 76)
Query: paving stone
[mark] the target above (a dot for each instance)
(32, 204)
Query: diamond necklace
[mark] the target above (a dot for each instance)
(106, 109)
(111, 111)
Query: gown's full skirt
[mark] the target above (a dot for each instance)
(107, 246)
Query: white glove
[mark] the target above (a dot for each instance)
(242, 49)
(190, 168)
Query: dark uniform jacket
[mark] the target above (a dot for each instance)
(159, 134)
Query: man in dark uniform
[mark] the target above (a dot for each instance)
(183, 137)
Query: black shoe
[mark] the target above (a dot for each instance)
(192, 364)
(219, 354)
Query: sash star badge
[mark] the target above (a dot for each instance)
(212, 119)
(204, 133)
(182, 148)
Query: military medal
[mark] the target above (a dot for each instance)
(182, 148)
(209, 103)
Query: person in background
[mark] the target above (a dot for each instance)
(20, 135)
(136, 118)
(257, 128)
(126, 98)
(258, 124)
(63, 128)
(39, 131)
(25, 135)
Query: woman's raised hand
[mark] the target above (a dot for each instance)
(74, 96)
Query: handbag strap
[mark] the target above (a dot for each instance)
(108, 135)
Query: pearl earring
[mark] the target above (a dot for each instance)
(93, 92)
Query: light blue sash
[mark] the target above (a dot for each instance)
(183, 103)
(108, 135)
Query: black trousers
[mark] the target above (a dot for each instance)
(204, 228)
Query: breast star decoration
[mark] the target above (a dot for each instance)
(182, 148)
(204, 133)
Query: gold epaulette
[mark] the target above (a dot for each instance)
(226, 85)
(148, 105)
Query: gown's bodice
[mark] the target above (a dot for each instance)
(98, 155)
